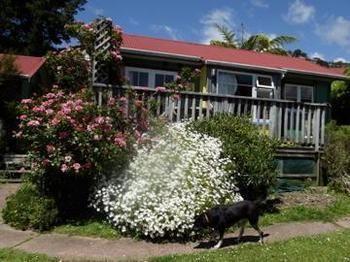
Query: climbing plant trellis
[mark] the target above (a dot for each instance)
(102, 46)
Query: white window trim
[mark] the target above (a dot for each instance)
(254, 81)
(272, 86)
(151, 74)
(299, 91)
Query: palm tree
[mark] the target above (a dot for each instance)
(229, 37)
(264, 43)
(258, 42)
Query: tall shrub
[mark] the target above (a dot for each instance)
(336, 157)
(180, 174)
(251, 151)
(71, 141)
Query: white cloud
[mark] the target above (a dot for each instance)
(335, 31)
(317, 55)
(171, 32)
(222, 16)
(340, 59)
(259, 3)
(299, 12)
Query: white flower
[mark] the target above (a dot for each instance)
(167, 184)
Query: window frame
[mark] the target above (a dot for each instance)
(299, 92)
(254, 81)
(151, 74)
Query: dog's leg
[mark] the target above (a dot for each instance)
(261, 234)
(241, 231)
(218, 245)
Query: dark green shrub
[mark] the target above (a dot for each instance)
(26, 209)
(251, 151)
(336, 158)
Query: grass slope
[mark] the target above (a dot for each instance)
(338, 209)
(328, 247)
(7, 254)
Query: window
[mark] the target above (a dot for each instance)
(138, 78)
(162, 79)
(264, 81)
(298, 93)
(230, 83)
(148, 77)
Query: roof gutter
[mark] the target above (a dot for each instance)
(335, 77)
(161, 54)
(245, 66)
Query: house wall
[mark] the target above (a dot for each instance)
(207, 80)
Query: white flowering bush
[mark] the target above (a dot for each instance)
(180, 174)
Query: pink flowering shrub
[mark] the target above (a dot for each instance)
(71, 141)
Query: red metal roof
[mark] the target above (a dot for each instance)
(236, 57)
(28, 65)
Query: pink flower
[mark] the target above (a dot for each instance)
(50, 149)
(78, 108)
(123, 99)
(160, 89)
(26, 101)
(111, 101)
(22, 117)
(18, 135)
(76, 167)
(176, 97)
(64, 168)
(119, 140)
(38, 109)
(55, 121)
(46, 162)
(99, 120)
(33, 123)
(49, 111)
(63, 134)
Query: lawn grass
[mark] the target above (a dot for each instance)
(13, 255)
(336, 210)
(339, 208)
(325, 247)
(90, 228)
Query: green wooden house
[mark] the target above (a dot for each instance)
(288, 98)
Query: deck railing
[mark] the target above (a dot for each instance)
(288, 121)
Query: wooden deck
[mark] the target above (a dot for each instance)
(298, 124)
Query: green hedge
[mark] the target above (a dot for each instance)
(337, 157)
(250, 150)
(26, 209)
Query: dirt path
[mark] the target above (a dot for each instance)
(85, 248)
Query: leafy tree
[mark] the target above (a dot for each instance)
(340, 97)
(32, 27)
(298, 53)
(258, 42)
(228, 35)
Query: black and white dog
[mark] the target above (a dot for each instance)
(222, 217)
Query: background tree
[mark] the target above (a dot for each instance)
(32, 27)
(258, 42)
(340, 97)
(229, 37)
(10, 88)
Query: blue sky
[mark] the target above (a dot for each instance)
(322, 27)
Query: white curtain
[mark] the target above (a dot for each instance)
(227, 83)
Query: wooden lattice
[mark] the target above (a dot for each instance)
(104, 28)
